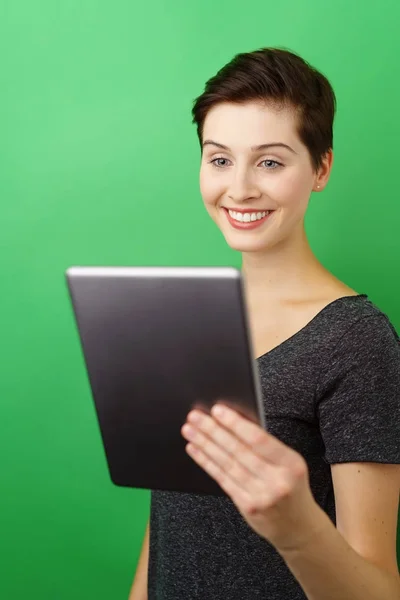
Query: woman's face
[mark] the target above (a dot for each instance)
(256, 175)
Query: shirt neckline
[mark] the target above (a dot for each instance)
(307, 325)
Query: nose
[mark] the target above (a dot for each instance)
(242, 187)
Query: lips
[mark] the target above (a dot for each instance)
(248, 224)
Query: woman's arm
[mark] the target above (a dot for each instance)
(139, 587)
(329, 569)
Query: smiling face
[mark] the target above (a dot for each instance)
(256, 175)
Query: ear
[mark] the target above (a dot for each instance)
(323, 173)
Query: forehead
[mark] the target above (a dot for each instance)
(242, 125)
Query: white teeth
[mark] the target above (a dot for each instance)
(247, 217)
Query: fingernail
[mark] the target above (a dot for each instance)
(218, 410)
(194, 417)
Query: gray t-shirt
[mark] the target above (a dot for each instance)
(331, 392)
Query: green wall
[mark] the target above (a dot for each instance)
(99, 165)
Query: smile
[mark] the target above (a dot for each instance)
(248, 219)
(248, 216)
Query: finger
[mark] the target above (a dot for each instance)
(260, 441)
(229, 447)
(240, 496)
(225, 461)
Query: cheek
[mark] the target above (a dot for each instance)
(210, 188)
(294, 190)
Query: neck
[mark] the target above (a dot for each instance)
(287, 270)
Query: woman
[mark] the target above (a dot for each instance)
(312, 503)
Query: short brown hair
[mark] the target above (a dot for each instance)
(283, 79)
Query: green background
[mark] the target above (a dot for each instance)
(99, 166)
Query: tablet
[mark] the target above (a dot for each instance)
(158, 342)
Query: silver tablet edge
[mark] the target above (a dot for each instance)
(80, 271)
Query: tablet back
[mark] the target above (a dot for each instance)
(157, 342)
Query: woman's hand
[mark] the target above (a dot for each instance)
(267, 480)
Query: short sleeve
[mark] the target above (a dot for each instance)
(358, 395)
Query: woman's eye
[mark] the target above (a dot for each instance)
(217, 162)
(271, 164)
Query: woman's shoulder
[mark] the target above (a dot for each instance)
(348, 328)
(343, 308)
(359, 312)
(358, 338)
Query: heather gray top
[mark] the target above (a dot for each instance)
(331, 392)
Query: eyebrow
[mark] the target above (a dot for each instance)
(253, 148)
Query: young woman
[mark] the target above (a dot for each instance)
(312, 502)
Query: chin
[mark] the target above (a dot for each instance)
(242, 245)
